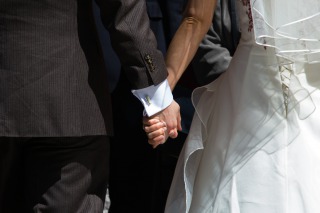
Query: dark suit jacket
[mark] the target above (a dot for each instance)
(52, 78)
(216, 49)
(158, 23)
(165, 17)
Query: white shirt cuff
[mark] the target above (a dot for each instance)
(155, 98)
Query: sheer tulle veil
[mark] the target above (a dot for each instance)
(250, 109)
(293, 30)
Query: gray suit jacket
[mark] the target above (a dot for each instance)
(216, 50)
(52, 77)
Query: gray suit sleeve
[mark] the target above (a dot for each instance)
(133, 41)
(213, 56)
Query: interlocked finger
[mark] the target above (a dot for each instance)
(156, 133)
(154, 127)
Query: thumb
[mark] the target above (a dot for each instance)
(173, 133)
(179, 127)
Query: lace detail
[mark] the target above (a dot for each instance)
(249, 13)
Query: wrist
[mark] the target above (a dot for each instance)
(171, 79)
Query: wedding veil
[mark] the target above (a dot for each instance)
(290, 26)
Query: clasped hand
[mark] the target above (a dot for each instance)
(162, 125)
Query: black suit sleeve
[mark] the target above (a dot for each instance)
(214, 53)
(211, 59)
(133, 41)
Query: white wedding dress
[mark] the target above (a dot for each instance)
(254, 144)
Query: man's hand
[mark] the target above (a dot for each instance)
(162, 125)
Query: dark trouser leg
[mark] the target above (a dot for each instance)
(11, 175)
(65, 174)
(132, 158)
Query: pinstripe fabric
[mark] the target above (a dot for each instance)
(53, 88)
(131, 31)
(52, 79)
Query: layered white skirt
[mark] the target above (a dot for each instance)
(254, 144)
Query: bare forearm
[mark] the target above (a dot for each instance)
(196, 22)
